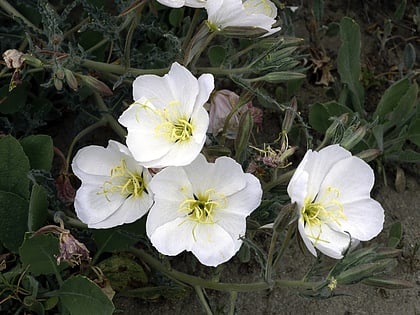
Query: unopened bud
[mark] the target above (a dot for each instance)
(71, 79)
(96, 85)
(244, 132)
(280, 76)
(32, 61)
(289, 116)
(336, 125)
(369, 154)
(58, 84)
(352, 138)
(243, 31)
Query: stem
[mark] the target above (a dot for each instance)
(80, 135)
(202, 299)
(278, 181)
(117, 69)
(285, 244)
(219, 286)
(110, 120)
(16, 14)
(270, 255)
(233, 296)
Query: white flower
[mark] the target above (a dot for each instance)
(202, 208)
(238, 13)
(182, 3)
(115, 187)
(167, 123)
(332, 191)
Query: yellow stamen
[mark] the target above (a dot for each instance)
(201, 208)
(328, 209)
(124, 181)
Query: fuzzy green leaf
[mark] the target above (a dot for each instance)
(81, 296)
(348, 63)
(14, 167)
(39, 253)
(39, 149)
(13, 222)
(38, 208)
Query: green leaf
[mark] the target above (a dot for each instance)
(39, 149)
(414, 131)
(388, 283)
(14, 218)
(39, 253)
(176, 16)
(217, 55)
(395, 234)
(399, 13)
(14, 167)
(348, 62)
(38, 208)
(81, 296)
(390, 99)
(405, 107)
(320, 114)
(409, 56)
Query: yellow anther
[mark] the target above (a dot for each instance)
(123, 181)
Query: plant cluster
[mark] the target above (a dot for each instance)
(166, 103)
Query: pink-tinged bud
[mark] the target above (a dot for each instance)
(96, 85)
(13, 58)
(222, 103)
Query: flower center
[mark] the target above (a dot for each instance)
(171, 124)
(201, 208)
(124, 182)
(327, 209)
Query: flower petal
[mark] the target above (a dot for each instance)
(305, 238)
(92, 206)
(246, 200)
(173, 237)
(319, 165)
(352, 177)
(131, 210)
(364, 219)
(213, 245)
(330, 242)
(232, 223)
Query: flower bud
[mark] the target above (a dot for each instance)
(289, 116)
(13, 58)
(71, 79)
(32, 61)
(369, 154)
(279, 76)
(222, 103)
(352, 138)
(96, 85)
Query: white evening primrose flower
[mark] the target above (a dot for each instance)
(237, 13)
(202, 208)
(167, 123)
(183, 3)
(115, 187)
(331, 189)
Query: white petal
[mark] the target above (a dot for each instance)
(184, 87)
(206, 86)
(173, 237)
(153, 88)
(131, 210)
(305, 238)
(225, 175)
(365, 219)
(352, 177)
(91, 206)
(246, 200)
(233, 224)
(328, 241)
(213, 245)
(86, 161)
(298, 185)
(320, 163)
